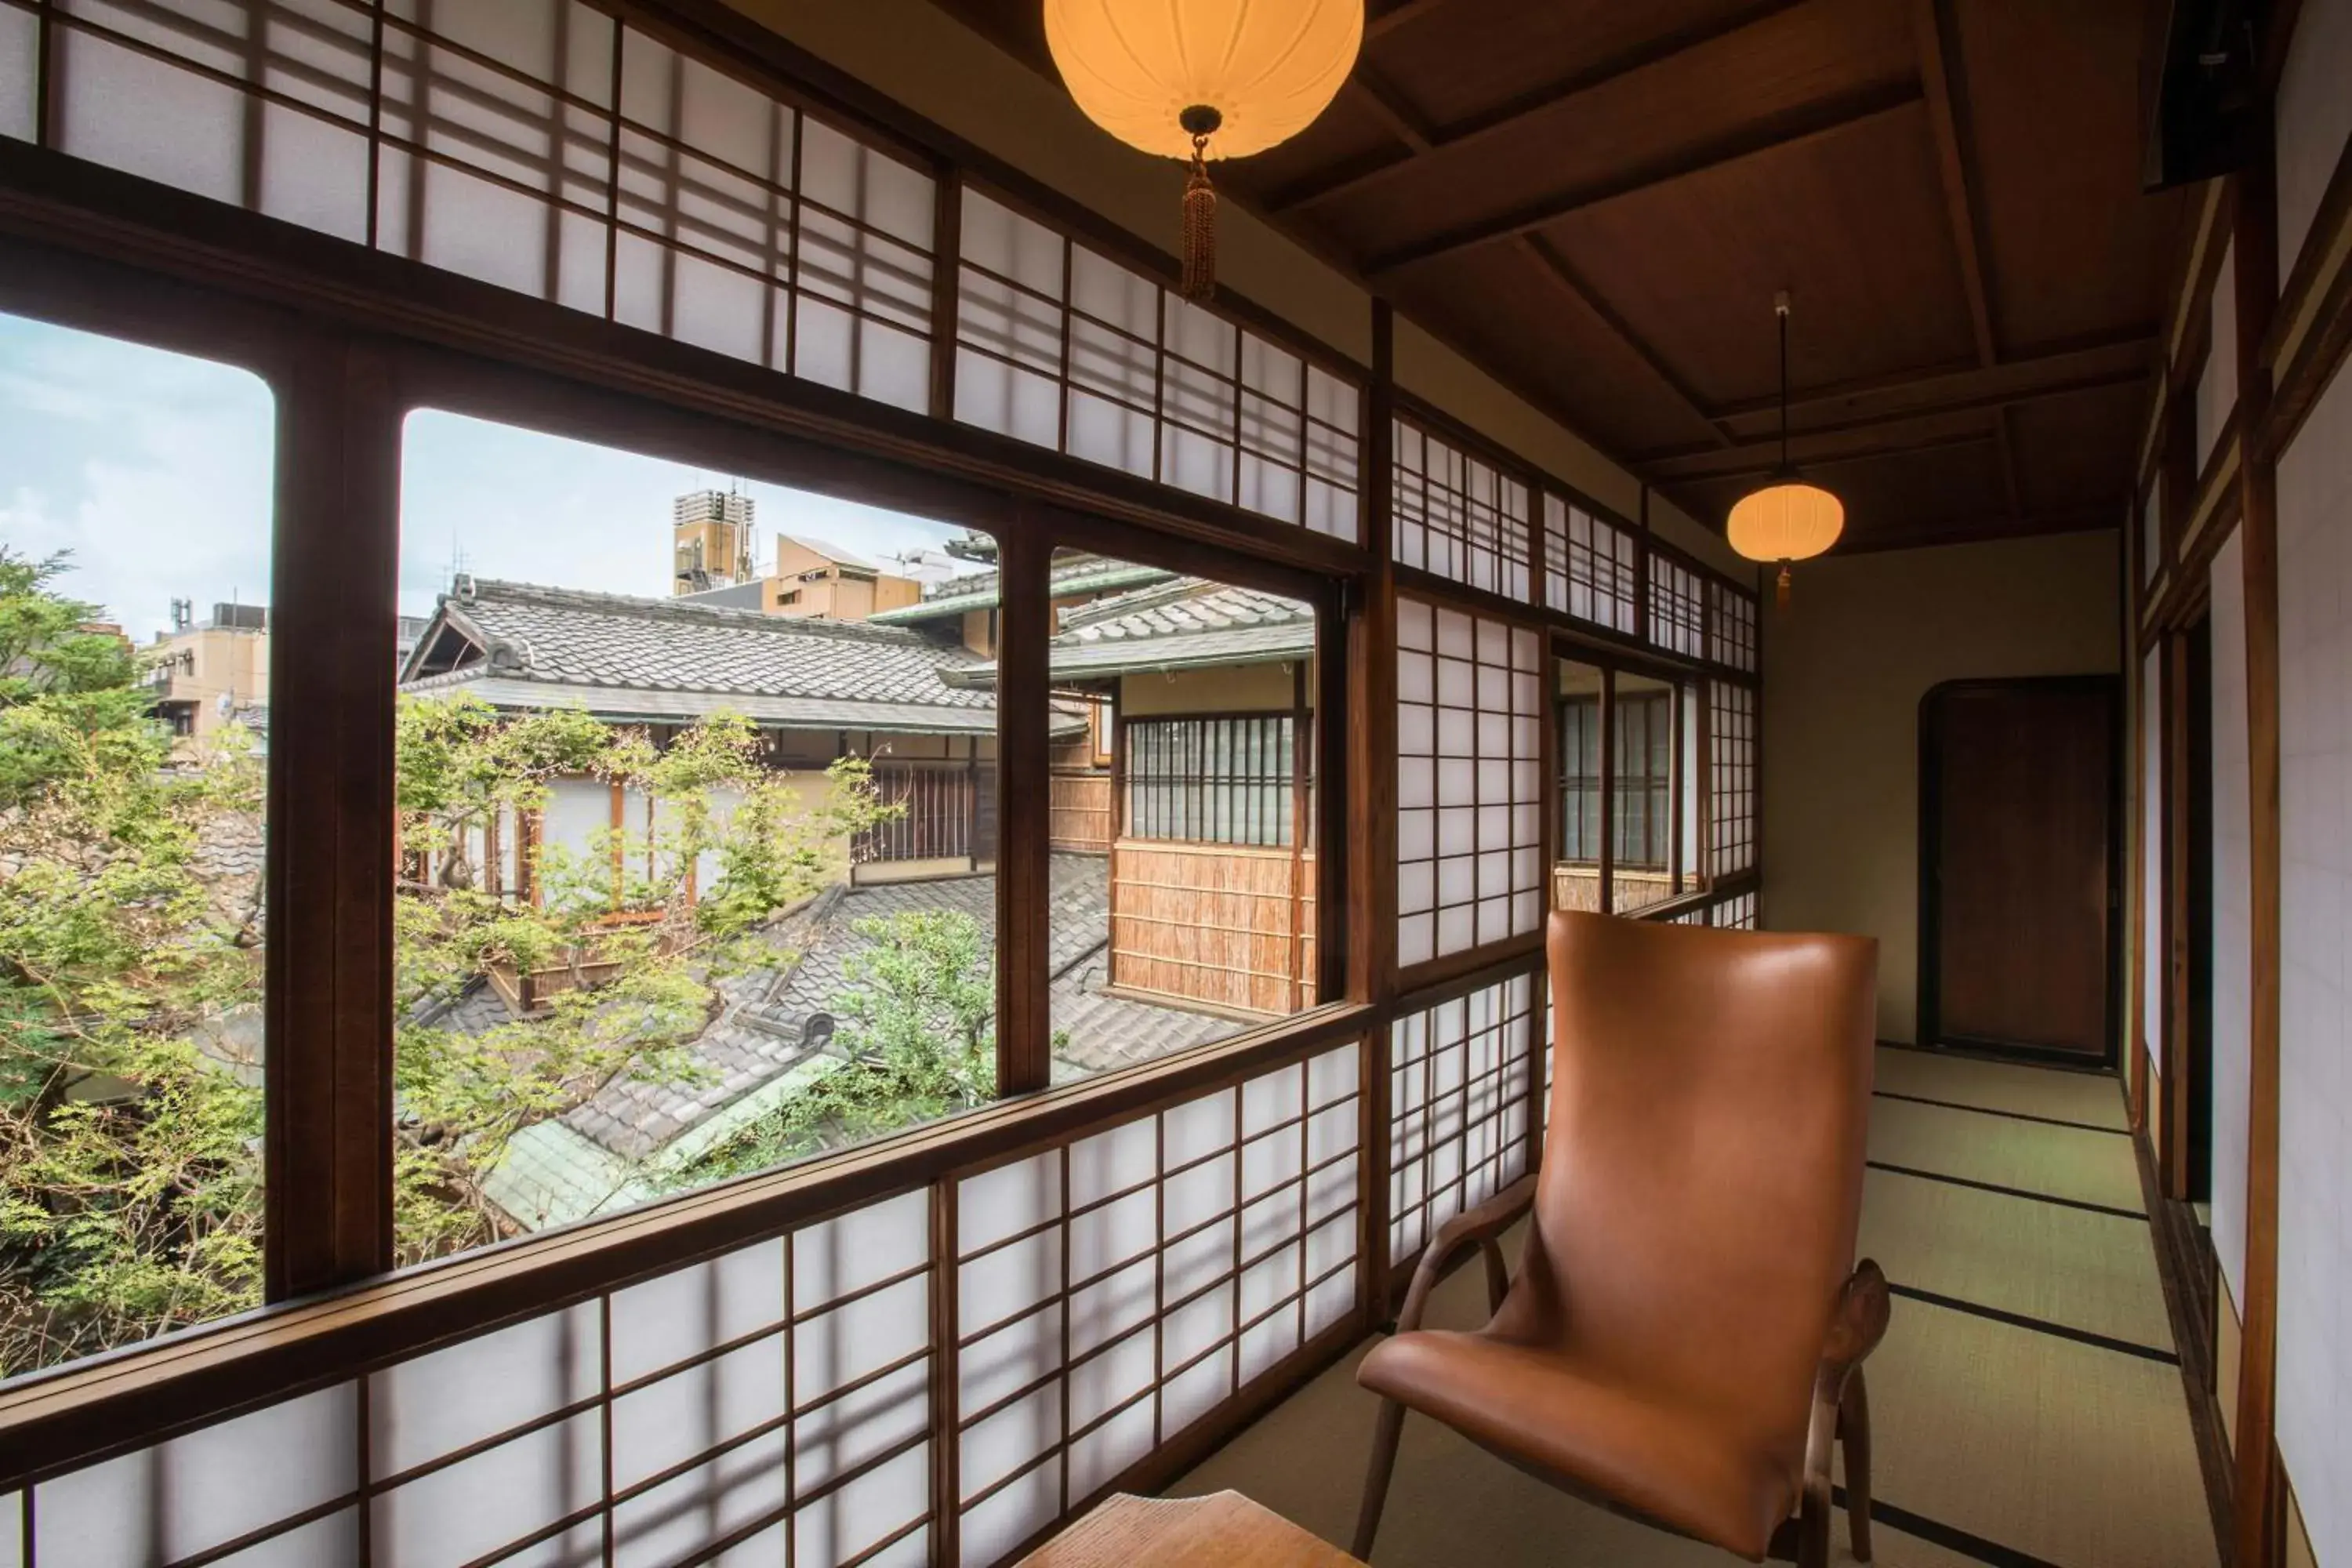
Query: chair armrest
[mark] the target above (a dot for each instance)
(1479, 1226)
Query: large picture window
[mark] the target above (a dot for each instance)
(135, 554)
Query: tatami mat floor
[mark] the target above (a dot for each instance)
(2027, 1401)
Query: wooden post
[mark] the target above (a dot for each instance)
(327, 1004)
(2173, 1157)
(1025, 864)
(1608, 860)
(1371, 766)
(2259, 1532)
(1302, 984)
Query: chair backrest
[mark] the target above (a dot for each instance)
(1702, 1172)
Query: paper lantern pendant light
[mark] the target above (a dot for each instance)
(1786, 520)
(1200, 79)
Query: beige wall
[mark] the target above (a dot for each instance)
(1249, 688)
(1845, 665)
(925, 59)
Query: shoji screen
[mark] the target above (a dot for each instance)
(772, 1401)
(1589, 566)
(1733, 637)
(1113, 1292)
(1677, 607)
(1458, 516)
(1062, 347)
(1469, 790)
(1731, 817)
(537, 145)
(1457, 1108)
(2233, 924)
(2314, 1244)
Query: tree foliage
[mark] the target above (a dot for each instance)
(131, 973)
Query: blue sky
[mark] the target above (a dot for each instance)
(154, 469)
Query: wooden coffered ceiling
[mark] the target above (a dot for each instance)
(1597, 200)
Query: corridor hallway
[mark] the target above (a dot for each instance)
(2027, 1404)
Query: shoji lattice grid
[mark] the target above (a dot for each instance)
(1731, 817)
(1113, 1292)
(1733, 636)
(1458, 516)
(1589, 566)
(1457, 1108)
(536, 144)
(1057, 346)
(1735, 914)
(1469, 790)
(1677, 607)
(771, 1404)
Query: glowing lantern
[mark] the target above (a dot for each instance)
(1786, 520)
(1193, 78)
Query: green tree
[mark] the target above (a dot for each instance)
(919, 1027)
(131, 966)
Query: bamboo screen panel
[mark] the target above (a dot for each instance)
(1731, 820)
(1057, 346)
(1113, 1292)
(1469, 785)
(1457, 1108)
(1677, 607)
(1589, 566)
(1733, 634)
(769, 1405)
(1459, 517)
(540, 145)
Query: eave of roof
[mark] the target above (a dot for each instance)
(1151, 656)
(1093, 580)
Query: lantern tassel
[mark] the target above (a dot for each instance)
(1783, 595)
(1200, 227)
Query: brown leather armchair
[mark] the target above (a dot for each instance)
(1684, 1340)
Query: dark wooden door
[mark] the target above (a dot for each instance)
(2018, 866)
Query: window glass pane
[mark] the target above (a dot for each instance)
(1184, 861)
(1644, 818)
(1576, 878)
(698, 828)
(134, 662)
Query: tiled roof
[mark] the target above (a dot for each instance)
(983, 589)
(643, 658)
(757, 1035)
(1185, 624)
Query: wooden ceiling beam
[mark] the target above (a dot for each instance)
(1977, 530)
(2116, 362)
(1404, 121)
(1816, 450)
(1947, 118)
(1558, 269)
(1776, 133)
(1398, 15)
(1516, 109)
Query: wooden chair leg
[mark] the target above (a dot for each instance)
(1854, 1432)
(1376, 1477)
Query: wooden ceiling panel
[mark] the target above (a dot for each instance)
(1596, 200)
(2077, 452)
(1465, 59)
(2051, 108)
(1818, 63)
(1693, 266)
(1504, 307)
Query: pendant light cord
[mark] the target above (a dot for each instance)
(1784, 387)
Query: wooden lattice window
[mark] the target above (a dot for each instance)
(1458, 516)
(1223, 780)
(1733, 634)
(1677, 607)
(1113, 1291)
(1469, 785)
(1731, 821)
(542, 145)
(938, 806)
(1458, 1108)
(1059, 346)
(1589, 566)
